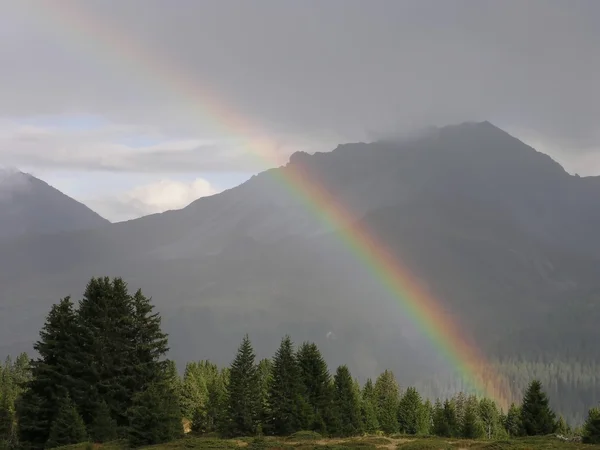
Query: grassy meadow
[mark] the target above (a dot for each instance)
(310, 441)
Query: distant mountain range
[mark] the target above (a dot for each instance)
(500, 234)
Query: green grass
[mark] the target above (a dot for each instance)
(312, 441)
(304, 436)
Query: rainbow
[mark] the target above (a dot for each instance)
(422, 308)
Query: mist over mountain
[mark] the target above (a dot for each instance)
(30, 206)
(500, 234)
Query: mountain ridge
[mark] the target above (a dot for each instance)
(29, 205)
(501, 235)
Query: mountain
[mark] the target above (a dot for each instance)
(30, 206)
(499, 234)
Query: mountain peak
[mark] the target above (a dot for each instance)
(30, 205)
(9, 172)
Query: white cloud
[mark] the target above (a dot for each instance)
(160, 196)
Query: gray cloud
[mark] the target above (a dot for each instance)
(101, 150)
(335, 70)
(11, 181)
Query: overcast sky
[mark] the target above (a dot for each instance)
(144, 105)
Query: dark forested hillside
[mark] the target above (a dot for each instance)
(500, 234)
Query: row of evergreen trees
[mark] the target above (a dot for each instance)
(294, 391)
(101, 375)
(572, 384)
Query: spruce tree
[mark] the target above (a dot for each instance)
(451, 419)
(561, 426)
(243, 409)
(33, 426)
(21, 373)
(317, 385)
(67, 427)
(440, 426)
(408, 411)
(346, 404)
(387, 397)
(103, 427)
(194, 391)
(490, 417)
(370, 424)
(472, 426)
(536, 415)
(216, 405)
(265, 369)
(425, 419)
(52, 375)
(107, 351)
(121, 349)
(7, 418)
(445, 423)
(289, 411)
(149, 341)
(155, 415)
(591, 429)
(513, 424)
(460, 403)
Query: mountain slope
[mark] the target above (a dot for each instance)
(30, 206)
(500, 235)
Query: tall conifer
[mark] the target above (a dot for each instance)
(243, 410)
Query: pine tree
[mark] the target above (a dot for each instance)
(591, 429)
(67, 427)
(537, 417)
(103, 427)
(317, 385)
(387, 395)
(51, 375)
(155, 415)
(408, 412)
(289, 411)
(370, 424)
(243, 410)
(346, 405)
(514, 425)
